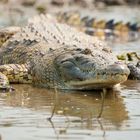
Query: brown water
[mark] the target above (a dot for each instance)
(24, 114)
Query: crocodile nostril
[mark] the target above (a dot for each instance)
(119, 68)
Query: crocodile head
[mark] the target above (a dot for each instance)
(90, 69)
(84, 69)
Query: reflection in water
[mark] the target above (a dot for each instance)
(85, 106)
(75, 113)
(131, 84)
(24, 112)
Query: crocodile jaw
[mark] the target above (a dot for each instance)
(113, 75)
(109, 81)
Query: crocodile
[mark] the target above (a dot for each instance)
(103, 29)
(7, 32)
(49, 54)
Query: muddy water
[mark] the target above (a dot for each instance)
(24, 114)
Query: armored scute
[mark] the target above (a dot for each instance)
(53, 55)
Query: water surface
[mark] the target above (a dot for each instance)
(24, 114)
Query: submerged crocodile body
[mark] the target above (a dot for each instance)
(53, 55)
(106, 30)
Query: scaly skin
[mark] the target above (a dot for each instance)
(106, 30)
(4, 83)
(7, 33)
(52, 55)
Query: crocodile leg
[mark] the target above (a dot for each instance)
(4, 82)
(15, 73)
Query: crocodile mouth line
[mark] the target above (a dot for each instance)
(109, 79)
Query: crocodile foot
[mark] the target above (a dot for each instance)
(13, 73)
(4, 83)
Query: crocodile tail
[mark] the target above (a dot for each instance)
(73, 17)
(112, 35)
(101, 28)
(110, 24)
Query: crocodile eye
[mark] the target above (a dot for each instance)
(63, 61)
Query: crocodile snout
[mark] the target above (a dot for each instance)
(121, 69)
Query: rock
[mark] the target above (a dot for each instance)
(134, 71)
